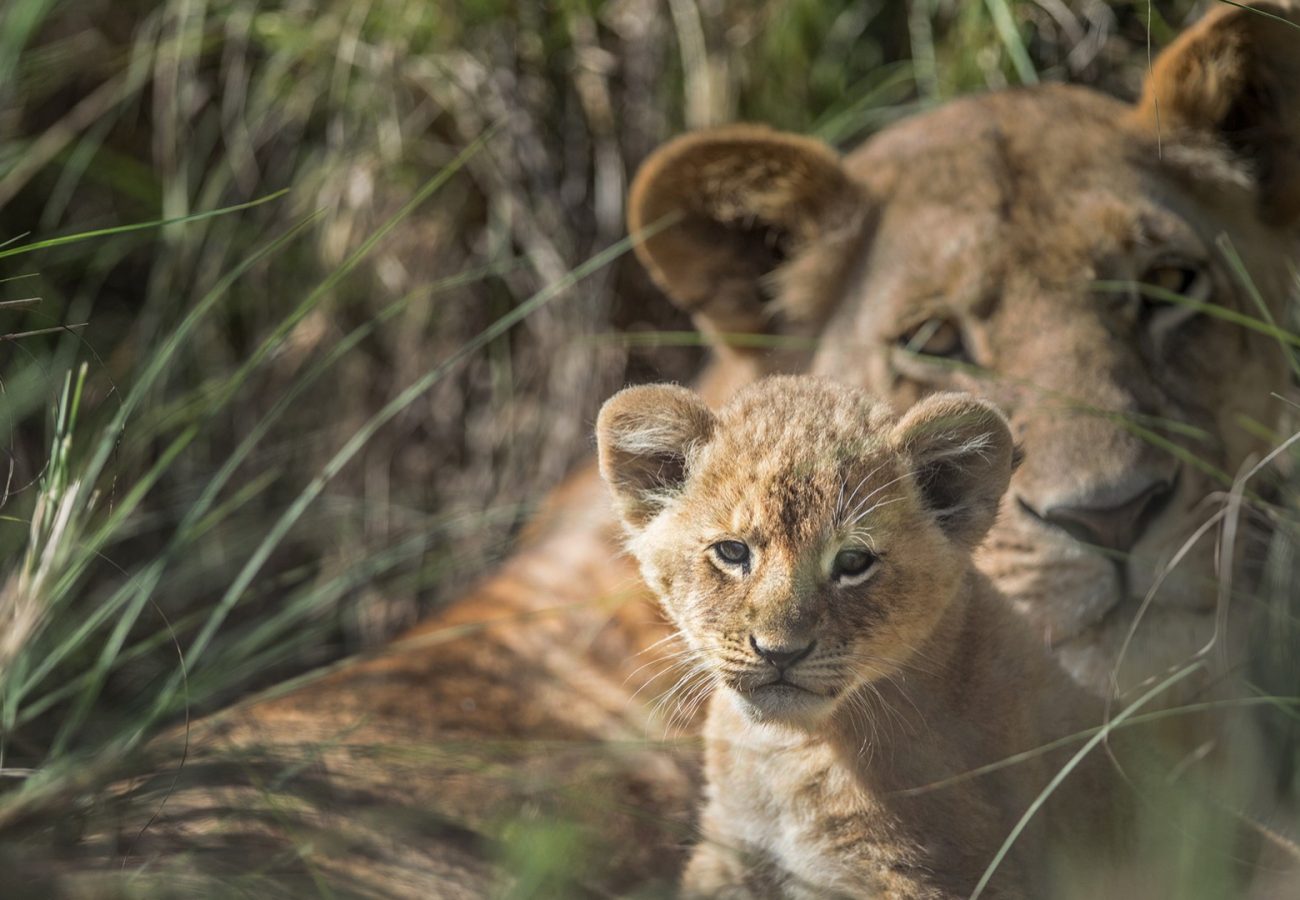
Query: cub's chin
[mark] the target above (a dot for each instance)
(783, 703)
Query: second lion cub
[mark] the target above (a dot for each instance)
(814, 549)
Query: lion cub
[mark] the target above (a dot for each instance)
(814, 549)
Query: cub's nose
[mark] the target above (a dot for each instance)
(1113, 518)
(781, 657)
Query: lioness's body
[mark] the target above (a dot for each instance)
(827, 761)
(1025, 186)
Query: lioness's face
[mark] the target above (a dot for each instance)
(804, 541)
(1073, 259)
(1004, 261)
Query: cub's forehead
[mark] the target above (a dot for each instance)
(789, 454)
(801, 418)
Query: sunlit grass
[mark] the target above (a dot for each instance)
(292, 258)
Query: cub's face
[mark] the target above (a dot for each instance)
(805, 540)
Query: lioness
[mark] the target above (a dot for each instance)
(974, 233)
(814, 550)
(962, 249)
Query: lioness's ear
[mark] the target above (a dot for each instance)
(645, 436)
(743, 200)
(1235, 77)
(962, 455)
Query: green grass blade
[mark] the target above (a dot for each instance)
(139, 226)
(286, 521)
(1005, 23)
(1070, 766)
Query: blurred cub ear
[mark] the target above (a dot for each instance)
(1234, 77)
(962, 454)
(731, 214)
(645, 438)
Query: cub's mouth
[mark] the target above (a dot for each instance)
(781, 700)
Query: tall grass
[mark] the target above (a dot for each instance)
(242, 445)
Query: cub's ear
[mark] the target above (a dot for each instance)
(729, 210)
(645, 437)
(1235, 77)
(962, 456)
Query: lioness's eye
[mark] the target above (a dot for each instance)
(853, 565)
(1175, 279)
(733, 553)
(935, 337)
(1163, 309)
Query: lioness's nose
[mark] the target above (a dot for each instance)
(1114, 518)
(781, 657)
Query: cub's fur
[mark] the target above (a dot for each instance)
(814, 550)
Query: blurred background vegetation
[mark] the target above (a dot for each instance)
(267, 438)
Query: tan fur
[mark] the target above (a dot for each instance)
(996, 215)
(753, 197)
(915, 675)
(995, 209)
(1235, 74)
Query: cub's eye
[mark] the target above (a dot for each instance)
(732, 553)
(935, 337)
(1162, 309)
(853, 565)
